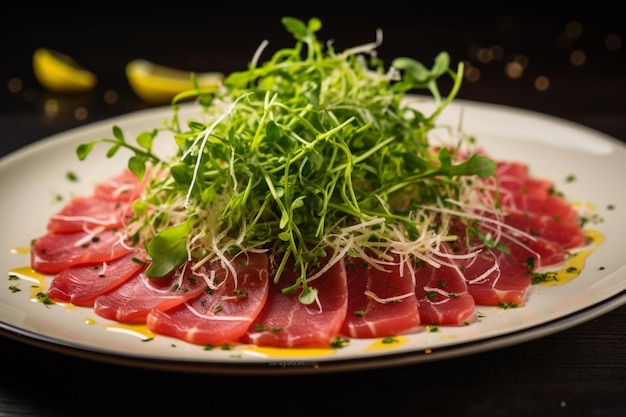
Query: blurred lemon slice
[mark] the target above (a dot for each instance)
(59, 73)
(158, 84)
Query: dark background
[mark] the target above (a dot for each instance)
(577, 372)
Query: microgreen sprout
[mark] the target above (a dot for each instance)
(310, 153)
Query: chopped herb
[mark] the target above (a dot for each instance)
(530, 263)
(507, 305)
(240, 293)
(339, 342)
(539, 277)
(43, 298)
(488, 240)
(70, 175)
(14, 288)
(260, 327)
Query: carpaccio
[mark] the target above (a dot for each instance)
(91, 265)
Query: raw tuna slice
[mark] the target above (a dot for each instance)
(380, 302)
(531, 206)
(495, 277)
(568, 234)
(222, 314)
(443, 295)
(54, 252)
(81, 284)
(123, 187)
(132, 301)
(286, 322)
(83, 213)
(553, 206)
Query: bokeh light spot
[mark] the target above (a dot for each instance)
(542, 83)
(110, 97)
(514, 69)
(574, 29)
(81, 113)
(577, 58)
(613, 42)
(15, 85)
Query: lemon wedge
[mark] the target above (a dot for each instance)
(59, 73)
(158, 84)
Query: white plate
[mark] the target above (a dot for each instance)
(32, 179)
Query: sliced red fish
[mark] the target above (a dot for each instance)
(568, 234)
(123, 187)
(380, 302)
(502, 275)
(443, 296)
(81, 284)
(132, 301)
(222, 314)
(83, 213)
(286, 322)
(54, 252)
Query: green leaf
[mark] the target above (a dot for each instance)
(145, 139)
(168, 250)
(475, 165)
(83, 150)
(308, 295)
(117, 132)
(113, 150)
(296, 27)
(137, 165)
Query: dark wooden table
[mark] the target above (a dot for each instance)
(580, 371)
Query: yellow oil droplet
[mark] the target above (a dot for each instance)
(68, 306)
(39, 280)
(387, 343)
(594, 236)
(20, 251)
(138, 330)
(25, 272)
(586, 205)
(90, 321)
(274, 352)
(575, 264)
